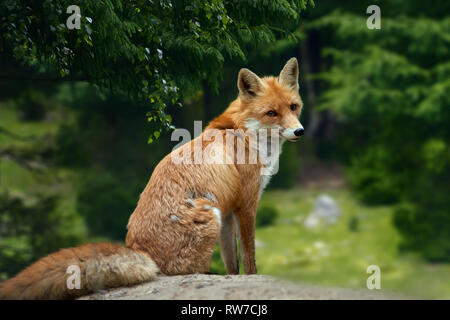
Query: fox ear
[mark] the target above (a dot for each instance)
(289, 75)
(249, 84)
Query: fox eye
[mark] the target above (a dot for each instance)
(271, 113)
(293, 107)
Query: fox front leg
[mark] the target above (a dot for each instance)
(228, 244)
(246, 218)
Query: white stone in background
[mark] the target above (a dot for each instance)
(259, 244)
(326, 212)
(312, 221)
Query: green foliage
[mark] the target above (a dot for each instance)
(372, 179)
(266, 216)
(36, 210)
(390, 88)
(68, 142)
(147, 49)
(436, 155)
(31, 228)
(289, 165)
(32, 105)
(105, 204)
(104, 144)
(353, 224)
(429, 227)
(217, 265)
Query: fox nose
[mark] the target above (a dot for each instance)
(299, 132)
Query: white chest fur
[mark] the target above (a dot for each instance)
(271, 169)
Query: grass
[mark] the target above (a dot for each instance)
(337, 256)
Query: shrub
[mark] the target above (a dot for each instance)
(266, 216)
(30, 228)
(353, 224)
(32, 105)
(372, 181)
(105, 204)
(288, 168)
(425, 230)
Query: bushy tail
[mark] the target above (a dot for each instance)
(101, 266)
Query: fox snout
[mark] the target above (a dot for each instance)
(299, 132)
(293, 134)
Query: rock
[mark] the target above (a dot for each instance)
(259, 244)
(326, 211)
(312, 221)
(235, 287)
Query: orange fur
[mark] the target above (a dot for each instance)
(177, 220)
(102, 265)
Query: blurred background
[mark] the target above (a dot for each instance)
(368, 184)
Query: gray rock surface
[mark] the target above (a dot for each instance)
(238, 287)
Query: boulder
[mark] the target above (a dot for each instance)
(326, 212)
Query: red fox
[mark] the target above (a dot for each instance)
(185, 207)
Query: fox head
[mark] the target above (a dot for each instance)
(270, 102)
